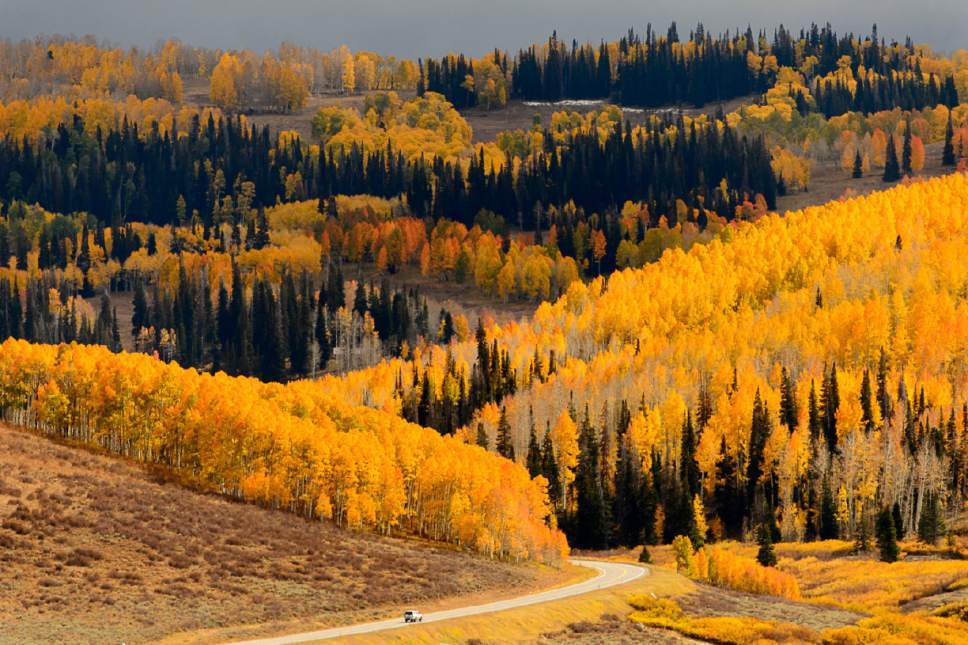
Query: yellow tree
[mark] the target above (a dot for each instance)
(348, 75)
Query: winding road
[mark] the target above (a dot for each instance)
(610, 574)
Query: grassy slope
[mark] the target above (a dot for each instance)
(92, 549)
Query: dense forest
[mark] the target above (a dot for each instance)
(769, 383)
(125, 173)
(663, 70)
(691, 373)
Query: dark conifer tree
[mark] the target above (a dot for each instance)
(533, 461)
(858, 171)
(931, 524)
(867, 402)
(766, 555)
(948, 153)
(892, 170)
(549, 468)
(829, 528)
(887, 537)
(505, 445)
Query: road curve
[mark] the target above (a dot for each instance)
(609, 575)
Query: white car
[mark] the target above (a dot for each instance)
(412, 616)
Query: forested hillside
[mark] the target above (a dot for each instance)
(702, 367)
(296, 447)
(801, 373)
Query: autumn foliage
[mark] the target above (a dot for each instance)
(721, 568)
(294, 447)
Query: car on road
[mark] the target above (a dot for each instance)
(412, 616)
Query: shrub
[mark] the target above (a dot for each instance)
(649, 605)
(644, 555)
(683, 550)
(666, 613)
(900, 629)
(721, 568)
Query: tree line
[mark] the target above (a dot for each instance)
(658, 70)
(125, 174)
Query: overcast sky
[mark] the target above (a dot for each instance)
(414, 28)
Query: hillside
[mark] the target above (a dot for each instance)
(96, 550)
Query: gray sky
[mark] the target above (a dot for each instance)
(414, 28)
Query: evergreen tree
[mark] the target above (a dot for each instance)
(830, 403)
(862, 541)
(892, 170)
(789, 414)
(689, 467)
(549, 468)
(814, 424)
(766, 554)
(906, 149)
(867, 403)
(887, 536)
(505, 445)
(759, 434)
(883, 397)
(829, 529)
(948, 153)
(858, 171)
(590, 530)
(931, 524)
(534, 453)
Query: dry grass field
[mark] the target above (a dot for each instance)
(93, 549)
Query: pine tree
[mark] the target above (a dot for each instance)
(931, 524)
(689, 467)
(866, 403)
(892, 170)
(830, 403)
(858, 166)
(590, 528)
(813, 414)
(505, 445)
(549, 468)
(766, 554)
(906, 149)
(883, 397)
(887, 536)
(759, 434)
(627, 505)
(789, 413)
(948, 154)
(534, 453)
(829, 529)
